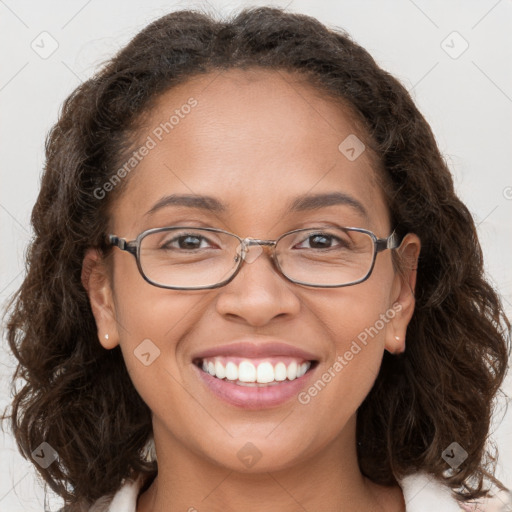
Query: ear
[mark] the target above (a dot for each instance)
(402, 297)
(97, 282)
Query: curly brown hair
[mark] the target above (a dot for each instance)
(79, 398)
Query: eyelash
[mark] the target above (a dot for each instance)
(166, 244)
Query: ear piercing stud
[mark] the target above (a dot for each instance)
(106, 336)
(397, 338)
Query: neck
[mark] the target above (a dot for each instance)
(328, 480)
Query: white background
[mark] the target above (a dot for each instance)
(467, 100)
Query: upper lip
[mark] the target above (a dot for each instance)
(256, 349)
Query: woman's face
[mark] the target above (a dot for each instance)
(254, 141)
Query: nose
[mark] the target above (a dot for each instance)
(258, 293)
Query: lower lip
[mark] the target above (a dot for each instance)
(254, 397)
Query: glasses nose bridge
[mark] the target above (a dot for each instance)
(249, 241)
(256, 241)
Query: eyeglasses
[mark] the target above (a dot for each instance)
(189, 258)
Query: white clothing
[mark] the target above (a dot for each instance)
(422, 493)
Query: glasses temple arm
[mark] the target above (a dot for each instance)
(391, 242)
(130, 247)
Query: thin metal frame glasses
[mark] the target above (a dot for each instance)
(240, 254)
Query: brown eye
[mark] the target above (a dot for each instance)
(322, 241)
(188, 242)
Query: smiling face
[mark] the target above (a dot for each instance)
(253, 142)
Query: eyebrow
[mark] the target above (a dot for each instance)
(317, 201)
(199, 202)
(300, 203)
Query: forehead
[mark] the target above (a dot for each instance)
(255, 139)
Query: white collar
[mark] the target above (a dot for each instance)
(422, 493)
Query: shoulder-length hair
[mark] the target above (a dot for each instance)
(78, 397)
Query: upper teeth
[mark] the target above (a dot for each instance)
(262, 373)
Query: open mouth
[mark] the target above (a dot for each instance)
(255, 372)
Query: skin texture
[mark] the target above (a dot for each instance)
(255, 140)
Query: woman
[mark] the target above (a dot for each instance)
(248, 251)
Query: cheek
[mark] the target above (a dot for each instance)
(156, 321)
(356, 321)
(151, 321)
(358, 314)
(144, 311)
(151, 351)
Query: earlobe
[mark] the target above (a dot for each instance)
(402, 297)
(96, 282)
